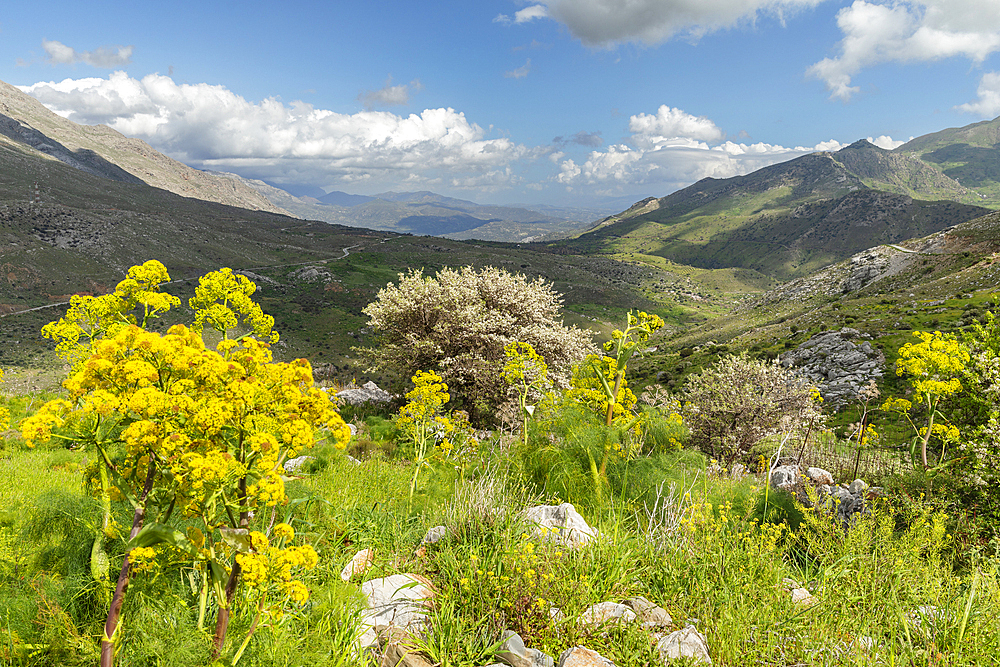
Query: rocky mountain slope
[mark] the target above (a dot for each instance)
(103, 152)
(968, 155)
(786, 220)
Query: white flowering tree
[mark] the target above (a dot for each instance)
(458, 323)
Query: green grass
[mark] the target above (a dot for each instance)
(702, 546)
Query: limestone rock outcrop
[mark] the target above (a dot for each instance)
(840, 363)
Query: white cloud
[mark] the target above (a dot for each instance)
(671, 149)
(669, 123)
(988, 104)
(605, 23)
(390, 95)
(107, 57)
(530, 14)
(520, 72)
(908, 31)
(886, 142)
(210, 127)
(525, 15)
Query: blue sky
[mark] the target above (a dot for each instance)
(555, 101)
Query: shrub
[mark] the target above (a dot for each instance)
(459, 322)
(733, 404)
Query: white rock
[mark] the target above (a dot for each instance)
(561, 523)
(296, 464)
(651, 615)
(803, 597)
(820, 476)
(606, 613)
(785, 477)
(357, 565)
(401, 601)
(686, 643)
(578, 656)
(435, 534)
(513, 652)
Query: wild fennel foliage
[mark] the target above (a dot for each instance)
(186, 433)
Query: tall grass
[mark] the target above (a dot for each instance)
(704, 546)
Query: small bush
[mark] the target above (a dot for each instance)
(738, 401)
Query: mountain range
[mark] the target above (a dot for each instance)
(792, 218)
(696, 256)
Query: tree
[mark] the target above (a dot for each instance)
(733, 404)
(459, 322)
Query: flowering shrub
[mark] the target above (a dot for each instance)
(458, 324)
(180, 428)
(733, 404)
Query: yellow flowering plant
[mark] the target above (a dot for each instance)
(423, 422)
(4, 412)
(610, 369)
(269, 567)
(933, 366)
(182, 429)
(90, 318)
(527, 373)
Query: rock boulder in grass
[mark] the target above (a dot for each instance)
(820, 476)
(434, 535)
(561, 523)
(369, 392)
(578, 656)
(514, 653)
(401, 601)
(686, 643)
(651, 616)
(605, 614)
(357, 565)
(785, 477)
(400, 651)
(298, 463)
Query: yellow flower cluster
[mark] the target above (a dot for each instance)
(946, 432)
(90, 318)
(933, 363)
(637, 331)
(588, 390)
(524, 366)
(38, 427)
(208, 417)
(142, 558)
(897, 405)
(270, 564)
(4, 412)
(222, 298)
(420, 418)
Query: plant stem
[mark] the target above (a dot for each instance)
(115, 610)
(222, 619)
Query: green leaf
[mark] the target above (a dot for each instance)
(158, 533)
(237, 538)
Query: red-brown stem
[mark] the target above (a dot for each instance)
(222, 618)
(115, 610)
